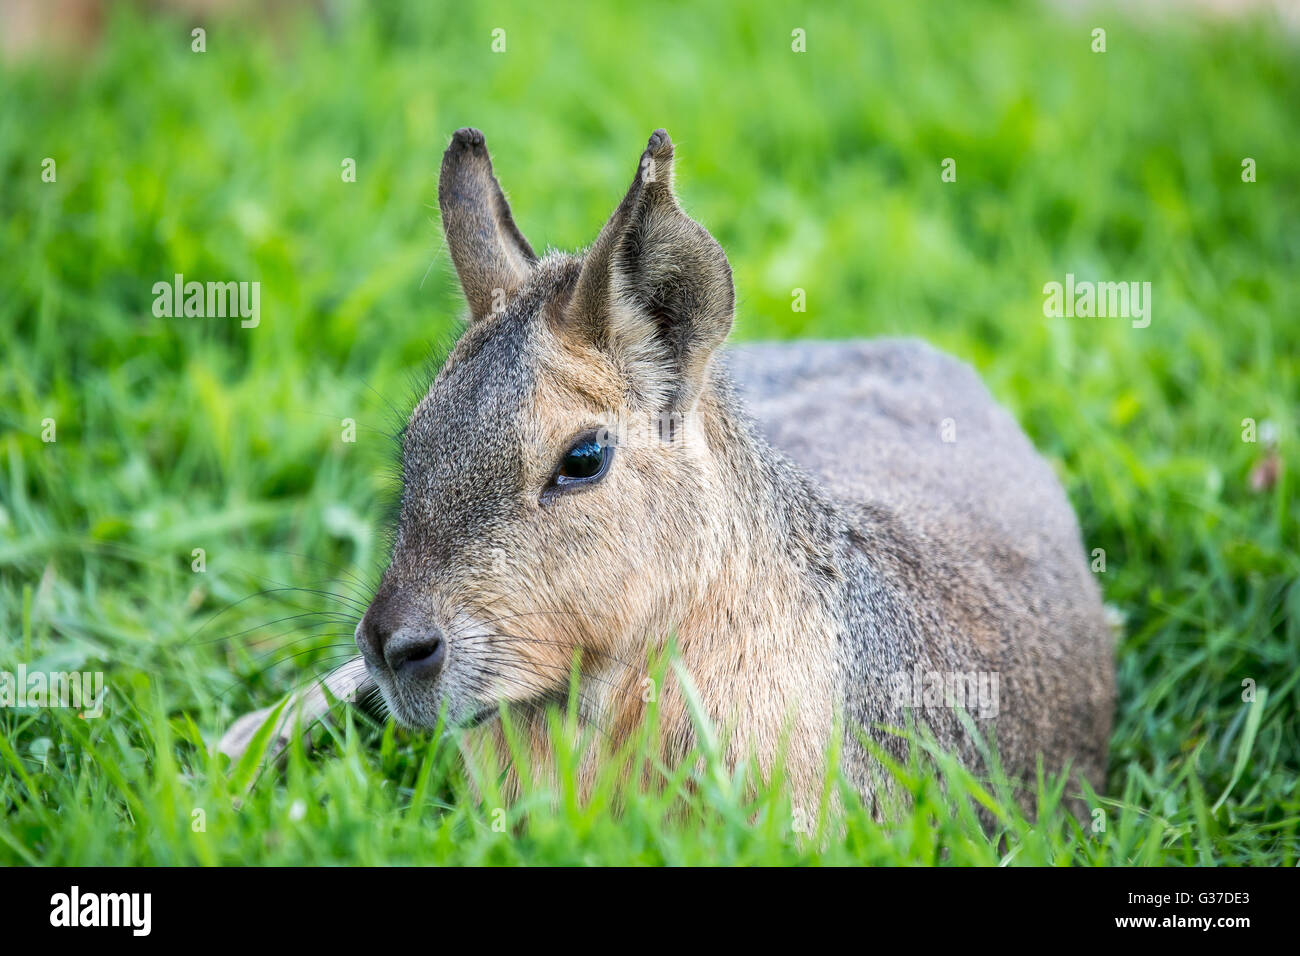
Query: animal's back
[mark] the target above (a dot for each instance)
(899, 423)
(975, 554)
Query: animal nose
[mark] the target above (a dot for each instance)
(415, 651)
(409, 650)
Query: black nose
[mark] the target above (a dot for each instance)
(411, 650)
(415, 651)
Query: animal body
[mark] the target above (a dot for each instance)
(836, 537)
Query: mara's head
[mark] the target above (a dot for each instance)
(561, 476)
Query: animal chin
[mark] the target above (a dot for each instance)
(424, 714)
(406, 713)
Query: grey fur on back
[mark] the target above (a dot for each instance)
(970, 554)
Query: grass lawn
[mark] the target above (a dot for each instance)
(818, 171)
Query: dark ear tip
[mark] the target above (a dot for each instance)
(467, 137)
(659, 142)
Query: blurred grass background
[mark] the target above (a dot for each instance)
(816, 170)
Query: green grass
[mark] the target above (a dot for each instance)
(818, 171)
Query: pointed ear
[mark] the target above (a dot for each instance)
(655, 289)
(491, 255)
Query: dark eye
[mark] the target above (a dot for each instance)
(584, 463)
(583, 460)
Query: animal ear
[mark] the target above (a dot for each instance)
(491, 255)
(655, 288)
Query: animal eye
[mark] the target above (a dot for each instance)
(584, 463)
(584, 460)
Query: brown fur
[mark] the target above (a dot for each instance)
(796, 594)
